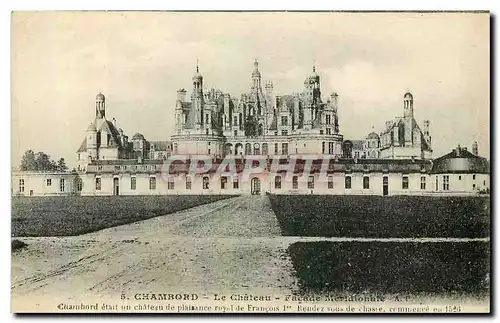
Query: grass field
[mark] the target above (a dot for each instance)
(442, 268)
(378, 216)
(75, 215)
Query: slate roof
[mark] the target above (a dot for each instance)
(460, 160)
(161, 145)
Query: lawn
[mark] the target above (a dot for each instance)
(378, 216)
(75, 215)
(442, 268)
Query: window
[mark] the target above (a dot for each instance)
(248, 149)
(295, 182)
(236, 183)
(79, 184)
(284, 132)
(328, 119)
(206, 183)
(49, 182)
(284, 120)
(446, 183)
(276, 149)
(206, 131)
(331, 148)
(235, 120)
(170, 183)
(459, 177)
(437, 183)
(310, 182)
(473, 186)
(330, 182)
(328, 131)
(356, 154)
(117, 167)
(323, 147)
(422, 182)
(366, 182)
(277, 182)
(223, 182)
(188, 183)
(405, 182)
(152, 183)
(21, 185)
(348, 182)
(236, 133)
(474, 177)
(265, 149)
(209, 151)
(321, 132)
(206, 118)
(133, 183)
(175, 148)
(98, 184)
(284, 148)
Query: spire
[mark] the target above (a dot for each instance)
(256, 64)
(314, 68)
(197, 69)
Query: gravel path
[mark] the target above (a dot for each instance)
(231, 246)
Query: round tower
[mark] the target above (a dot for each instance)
(256, 77)
(100, 106)
(408, 104)
(92, 141)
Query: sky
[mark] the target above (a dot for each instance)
(61, 60)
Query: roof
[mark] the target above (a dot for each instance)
(459, 160)
(186, 105)
(138, 136)
(161, 145)
(115, 135)
(408, 95)
(100, 96)
(83, 146)
(372, 135)
(356, 144)
(340, 165)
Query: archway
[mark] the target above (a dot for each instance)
(255, 186)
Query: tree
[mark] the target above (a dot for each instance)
(61, 165)
(28, 161)
(41, 162)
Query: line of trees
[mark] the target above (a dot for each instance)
(40, 162)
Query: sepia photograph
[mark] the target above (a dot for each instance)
(250, 162)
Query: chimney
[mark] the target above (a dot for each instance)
(475, 149)
(114, 122)
(181, 95)
(457, 151)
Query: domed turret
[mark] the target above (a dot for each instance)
(256, 72)
(92, 128)
(197, 75)
(372, 135)
(138, 136)
(408, 96)
(100, 96)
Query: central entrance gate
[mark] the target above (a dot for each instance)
(255, 186)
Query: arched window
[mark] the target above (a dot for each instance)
(265, 149)
(206, 183)
(277, 182)
(248, 149)
(348, 182)
(295, 182)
